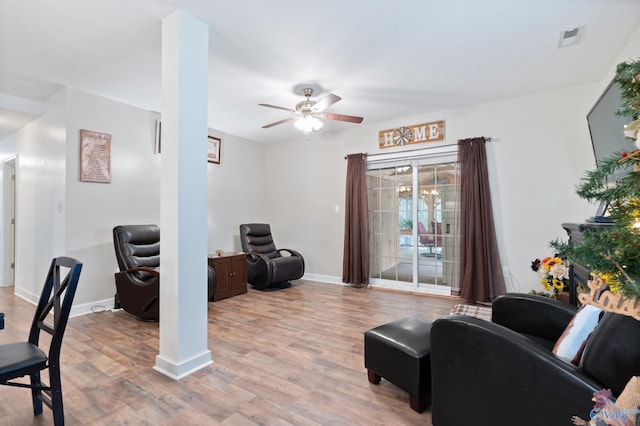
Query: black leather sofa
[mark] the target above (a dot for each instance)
(505, 373)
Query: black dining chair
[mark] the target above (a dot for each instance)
(27, 358)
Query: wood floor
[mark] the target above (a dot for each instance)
(290, 357)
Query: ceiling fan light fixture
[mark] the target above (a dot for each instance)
(308, 124)
(307, 113)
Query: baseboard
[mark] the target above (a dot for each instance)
(92, 307)
(27, 296)
(76, 309)
(177, 371)
(323, 278)
(107, 304)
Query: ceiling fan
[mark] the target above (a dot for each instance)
(308, 113)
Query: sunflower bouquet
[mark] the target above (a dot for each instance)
(554, 273)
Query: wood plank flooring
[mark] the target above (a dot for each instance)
(289, 357)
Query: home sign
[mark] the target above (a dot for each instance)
(410, 135)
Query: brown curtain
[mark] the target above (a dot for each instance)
(481, 277)
(355, 262)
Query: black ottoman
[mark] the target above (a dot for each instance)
(400, 351)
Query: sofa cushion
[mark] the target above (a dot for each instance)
(612, 355)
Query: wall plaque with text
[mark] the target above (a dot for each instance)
(410, 135)
(95, 157)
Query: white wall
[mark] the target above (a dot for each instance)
(539, 151)
(306, 180)
(39, 147)
(132, 197)
(236, 187)
(237, 191)
(48, 151)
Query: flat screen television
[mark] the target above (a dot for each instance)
(606, 127)
(607, 138)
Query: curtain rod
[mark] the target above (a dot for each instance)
(387, 153)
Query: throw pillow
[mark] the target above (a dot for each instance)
(571, 343)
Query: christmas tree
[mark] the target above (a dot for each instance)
(613, 253)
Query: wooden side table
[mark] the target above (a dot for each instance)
(231, 274)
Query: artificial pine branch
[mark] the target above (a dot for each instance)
(614, 250)
(628, 77)
(594, 186)
(606, 249)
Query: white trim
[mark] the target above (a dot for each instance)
(444, 150)
(76, 310)
(26, 296)
(439, 290)
(99, 306)
(92, 307)
(323, 278)
(401, 286)
(177, 371)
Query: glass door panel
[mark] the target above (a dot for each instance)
(412, 219)
(437, 185)
(390, 223)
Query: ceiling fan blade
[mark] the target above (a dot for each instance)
(341, 117)
(277, 107)
(326, 102)
(266, 126)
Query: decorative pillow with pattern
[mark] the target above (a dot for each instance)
(571, 343)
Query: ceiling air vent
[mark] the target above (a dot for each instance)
(570, 37)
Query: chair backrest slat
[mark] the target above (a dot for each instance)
(57, 295)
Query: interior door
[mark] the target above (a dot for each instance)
(9, 222)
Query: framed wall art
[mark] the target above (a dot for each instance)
(213, 152)
(95, 157)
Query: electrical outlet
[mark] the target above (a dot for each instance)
(505, 271)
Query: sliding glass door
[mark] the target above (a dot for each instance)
(412, 222)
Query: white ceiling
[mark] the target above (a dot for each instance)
(386, 59)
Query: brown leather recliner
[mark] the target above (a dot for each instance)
(138, 282)
(267, 267)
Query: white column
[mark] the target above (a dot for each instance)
(183, 201)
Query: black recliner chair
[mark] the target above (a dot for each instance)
(504, 372)
(137, 250)
(267, 267)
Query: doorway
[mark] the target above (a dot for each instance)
(8, 221)
(412, 222)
